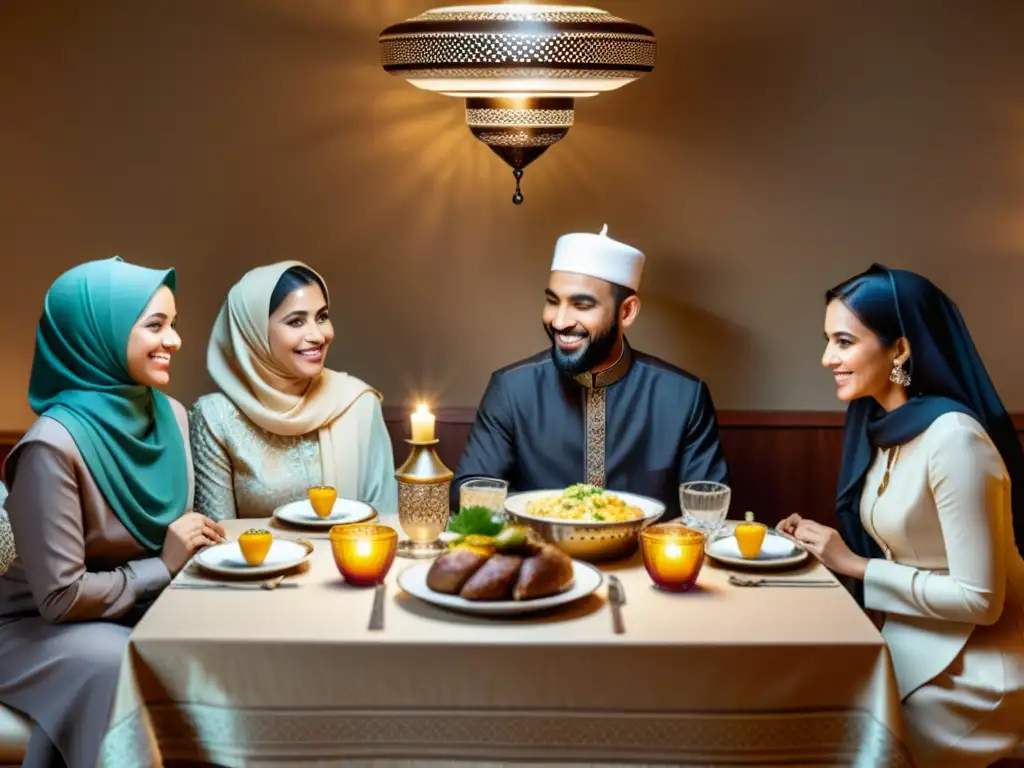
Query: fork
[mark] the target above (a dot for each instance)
(269, 584)
(739, 581)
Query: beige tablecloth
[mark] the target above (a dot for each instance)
(717, 676)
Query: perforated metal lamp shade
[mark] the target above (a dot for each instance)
(520, 67)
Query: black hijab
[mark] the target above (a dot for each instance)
(947, 376)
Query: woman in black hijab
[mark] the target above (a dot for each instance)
(930, 506)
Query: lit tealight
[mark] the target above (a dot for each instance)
(364, 553)
(673, 555)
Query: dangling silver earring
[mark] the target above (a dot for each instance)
(898, 375)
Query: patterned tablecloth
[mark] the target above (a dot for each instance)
(718, 676)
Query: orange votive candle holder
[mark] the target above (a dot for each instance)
(673, 555)
(364, 553)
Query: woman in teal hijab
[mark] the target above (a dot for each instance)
(125, 430)
(100, 492)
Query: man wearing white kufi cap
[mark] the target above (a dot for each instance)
(591, 409)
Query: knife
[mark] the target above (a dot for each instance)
(617, 598)
(740, 581)
(377, 612)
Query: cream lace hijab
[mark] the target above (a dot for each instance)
(241, 364)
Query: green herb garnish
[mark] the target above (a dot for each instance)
(479, 521)
(581, 490)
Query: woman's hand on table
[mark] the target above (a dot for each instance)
(190, 532)
(828, 546)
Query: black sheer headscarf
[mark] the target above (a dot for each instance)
(947, 376)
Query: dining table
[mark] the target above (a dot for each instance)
(719, 675)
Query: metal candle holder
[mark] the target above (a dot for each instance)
(424, 485)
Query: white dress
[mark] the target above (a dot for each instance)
(952, 589)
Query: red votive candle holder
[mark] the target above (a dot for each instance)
(673, 555)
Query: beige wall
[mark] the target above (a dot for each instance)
(778, 147)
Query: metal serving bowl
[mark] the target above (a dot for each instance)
(584, 540)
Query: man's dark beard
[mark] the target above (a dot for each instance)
(593, 352)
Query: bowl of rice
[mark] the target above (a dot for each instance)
(585, 521)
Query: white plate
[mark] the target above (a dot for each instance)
(414, 581)
(343, 512)
(652, 508)
(226, 559)
(776, 552)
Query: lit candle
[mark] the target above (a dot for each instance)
(364, 553)
(422, 424)
(673, 555)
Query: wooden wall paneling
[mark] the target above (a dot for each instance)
(781, 461)
(780, 470)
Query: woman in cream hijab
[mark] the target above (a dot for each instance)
(282, 422)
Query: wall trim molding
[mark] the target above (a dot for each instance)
(780, 461)
(726, 419)
(730, 419)
(10, 437)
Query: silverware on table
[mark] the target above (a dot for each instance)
(377, 612)
(740, 581)
(617, 598)
(269, 584)
(791, 539)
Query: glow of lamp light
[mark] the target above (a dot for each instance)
(519, 66)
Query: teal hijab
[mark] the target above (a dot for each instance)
(127, 433)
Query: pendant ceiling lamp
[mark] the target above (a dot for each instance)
(519, 66)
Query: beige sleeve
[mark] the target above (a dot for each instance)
(968, 482)
(46, 518)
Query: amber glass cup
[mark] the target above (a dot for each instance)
(364, 553)
(673, 555)
(322, 497)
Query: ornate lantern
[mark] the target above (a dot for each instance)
(519, 66)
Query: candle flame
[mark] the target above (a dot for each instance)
(363, 548)
(422, 408)
(673, 551)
